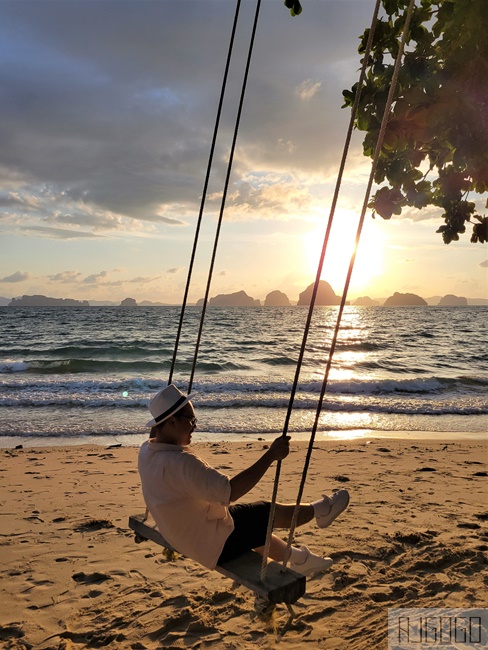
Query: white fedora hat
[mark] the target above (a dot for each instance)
(168, 401)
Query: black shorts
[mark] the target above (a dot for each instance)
(250, 526)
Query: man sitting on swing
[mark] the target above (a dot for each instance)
(190, 500)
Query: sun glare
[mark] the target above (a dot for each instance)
(369, 257)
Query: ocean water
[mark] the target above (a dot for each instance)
(78, 374)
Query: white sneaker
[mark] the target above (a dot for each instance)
(312, 563)
(328, 508)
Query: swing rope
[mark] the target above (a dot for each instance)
(301, 355)
(379, 144)
(224, 195)
(204, 193)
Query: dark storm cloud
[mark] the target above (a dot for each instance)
(112, 104)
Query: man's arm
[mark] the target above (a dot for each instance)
(246, 480)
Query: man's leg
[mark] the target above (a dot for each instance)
(282, 519)
(325, 511)
(277, 549)
(301, 559)
(284, 514)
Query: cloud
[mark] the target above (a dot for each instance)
(112, 283)
(18, 276)
(270, 197)
(307, 89)
(57, 233)
(160, 218)
(287, 145)
(484, 264)
(14, 199)
(112, 136)
(222, 273)
(66, 277)
(94, 277)
(144, 280)
(96, 221)
(108, 221)
(100, 279)
(109, 128)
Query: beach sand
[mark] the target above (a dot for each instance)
(415, 535)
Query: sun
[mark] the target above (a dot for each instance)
(369, 258)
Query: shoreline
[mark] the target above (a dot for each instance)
(201, 437)
(415, 535)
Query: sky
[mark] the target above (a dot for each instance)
(107, 109)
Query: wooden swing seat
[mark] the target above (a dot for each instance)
(280, 586)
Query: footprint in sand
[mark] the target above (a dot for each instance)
(93, 593)
(87, 578)
(93, 525)
(11, 631)
(341, 479)
(468, 524)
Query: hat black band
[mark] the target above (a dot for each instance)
(170, 410)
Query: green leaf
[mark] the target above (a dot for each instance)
(480, 232)
(348, 98)
(296, 10)
(438, 118)
(294, 6)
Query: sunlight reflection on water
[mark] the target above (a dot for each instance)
(87, 372)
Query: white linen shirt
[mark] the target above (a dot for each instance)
(188, 500)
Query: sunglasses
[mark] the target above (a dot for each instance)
(191, 419)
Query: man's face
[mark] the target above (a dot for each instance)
(185, 424)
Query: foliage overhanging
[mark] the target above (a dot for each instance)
(435, 151)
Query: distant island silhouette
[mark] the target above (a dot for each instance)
(277, 299)
(365, 301)
(325, 296)
(45, 301)
(453, 301)
(237, 299)
(404, 300)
